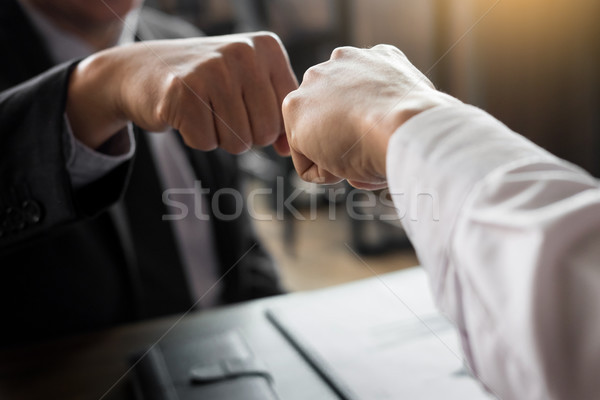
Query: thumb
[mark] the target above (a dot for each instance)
(368, 185)
(311, 172)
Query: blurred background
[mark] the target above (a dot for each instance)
(533, 64)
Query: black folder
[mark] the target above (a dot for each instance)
(377, 340)
(217, 367)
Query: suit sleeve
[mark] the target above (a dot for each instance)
(510, 237)
(36, 193)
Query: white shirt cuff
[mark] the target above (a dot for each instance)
(435, 160)
(85, 165)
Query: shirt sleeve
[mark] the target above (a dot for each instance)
(85, 165)
(510, 237)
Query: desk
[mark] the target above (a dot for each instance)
(94, 365)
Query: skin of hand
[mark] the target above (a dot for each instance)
(340, 120)
(223, 91)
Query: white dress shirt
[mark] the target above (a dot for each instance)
(194, 236)
(510, 237)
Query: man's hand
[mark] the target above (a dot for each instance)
(222, 91)
(340, 120)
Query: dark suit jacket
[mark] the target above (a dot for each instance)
(67, 263)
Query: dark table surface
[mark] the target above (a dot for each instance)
(96, 366)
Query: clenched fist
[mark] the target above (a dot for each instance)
(340, 120)
(223, 91)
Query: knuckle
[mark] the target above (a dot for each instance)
(381, 46)
(214, 76)
(311, 74)
(163, 113)
(214, 66)
(173, 86)
(387, 48)
(267, 39)
(342, 52)
(241, 50)
(397, 51)
(173, 91)
(290, 103)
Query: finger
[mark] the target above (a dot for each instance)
(344, 51)
(197, 127)
(282, 77)
(310, 172)
(280, 97)
(368, 186)
(283, 80)
(281, 146)
(289, 110)
(316, 174)
(273, 58)
(263, 111)
(231, 122)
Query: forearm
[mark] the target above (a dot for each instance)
(499, 224)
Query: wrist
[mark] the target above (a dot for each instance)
(389, 123)
(380, 127)
(93, 102)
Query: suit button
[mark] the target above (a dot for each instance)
(32, 212)
(14, 219)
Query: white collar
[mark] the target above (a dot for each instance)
(64, 46)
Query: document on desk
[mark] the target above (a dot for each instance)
(383, 341)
